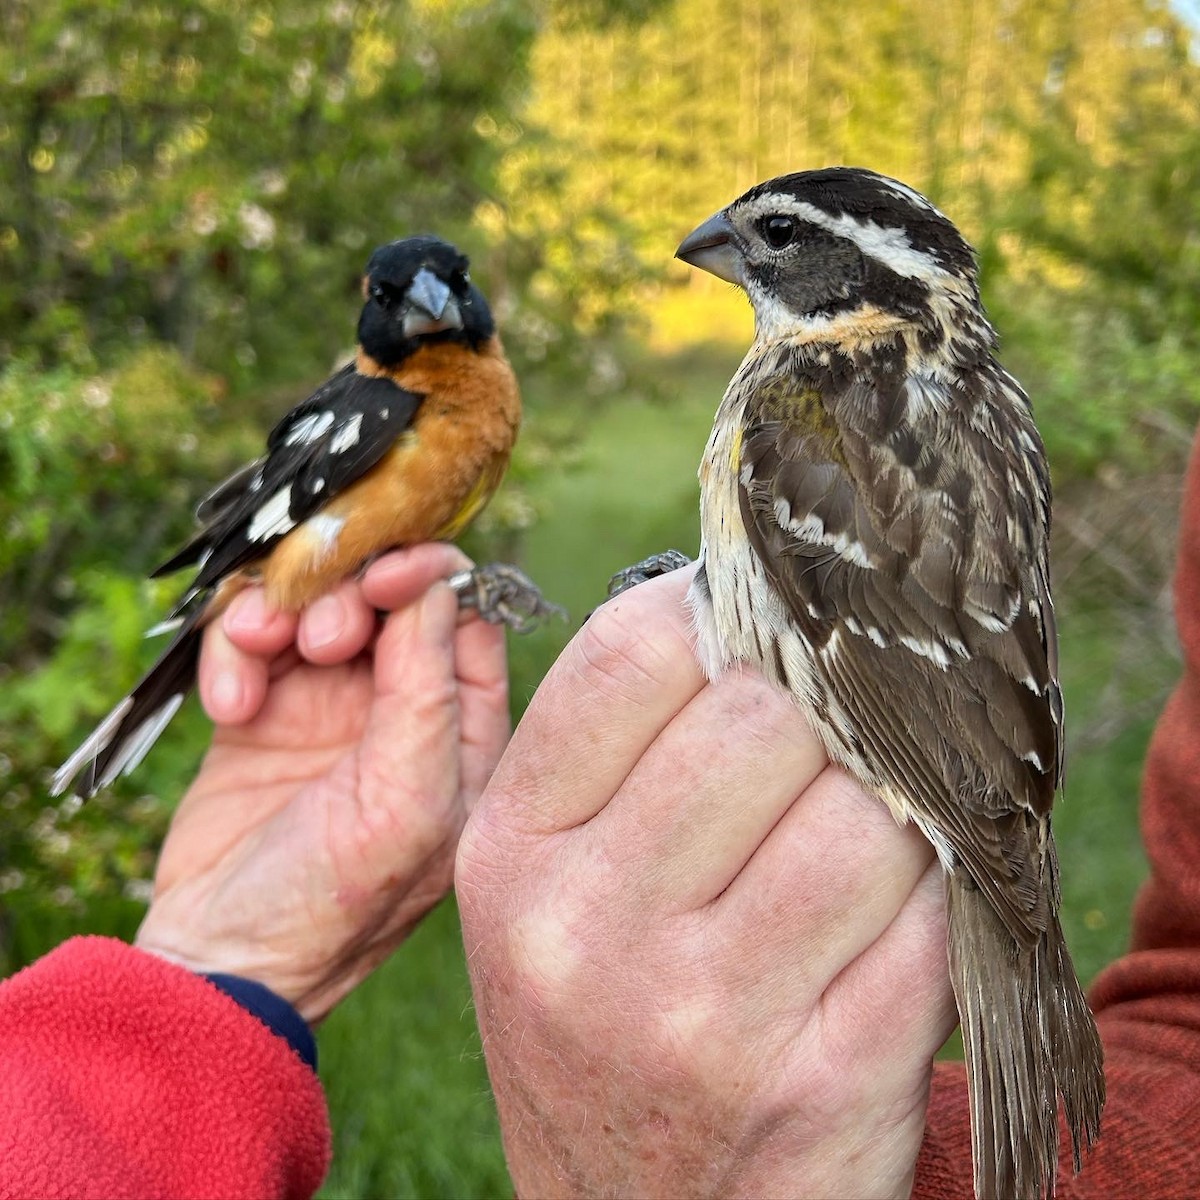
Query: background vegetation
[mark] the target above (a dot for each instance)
(188, 193)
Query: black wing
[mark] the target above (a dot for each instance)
(915, 562)
(322, 446)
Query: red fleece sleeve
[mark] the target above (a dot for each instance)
(1147, 1004)
(122, 1074)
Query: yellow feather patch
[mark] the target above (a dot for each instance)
(735, 452)
(803, 411)
(474, 501)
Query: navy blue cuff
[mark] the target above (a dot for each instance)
(272, 1010)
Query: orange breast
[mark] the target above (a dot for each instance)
(429, 486)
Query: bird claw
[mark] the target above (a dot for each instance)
(647, 569)
(504, 595)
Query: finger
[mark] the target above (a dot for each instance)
(255, 627)
(481, 666)
(709, 790)
(231, 682)
(403, 576)
(410, 759)
(824, 885)
(614, 689)
(337, 626)
(900, 983)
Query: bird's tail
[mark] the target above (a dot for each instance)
(1029, 1037)
(122, 739)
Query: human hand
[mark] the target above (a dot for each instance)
(323, 822)
(704, 961)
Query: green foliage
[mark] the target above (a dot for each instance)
(100, 473)
(1061, 136)
(1103, 395)
(100, 470)
(55, 857)
(213, 175)
(407, 1086)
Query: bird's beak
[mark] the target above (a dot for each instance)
(712, 248)
(430, 307)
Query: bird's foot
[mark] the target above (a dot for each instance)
(648, 568)
(504, 595)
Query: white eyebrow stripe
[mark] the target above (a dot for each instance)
(887, 244)
(914, 197)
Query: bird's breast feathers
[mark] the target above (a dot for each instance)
(433, 481)
(738, 615)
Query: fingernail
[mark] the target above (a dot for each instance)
(248, 611)
(227, 691)
(324, 622)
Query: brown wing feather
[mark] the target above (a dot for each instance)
(923, 588)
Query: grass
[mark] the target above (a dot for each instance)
(401, 1060)
(407, 1086)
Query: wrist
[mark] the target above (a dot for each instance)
(271, 1009)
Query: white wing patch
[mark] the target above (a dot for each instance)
(347, 435)
(272, 520)
(323, 529)
(934, 651)
(988, 620)
(812, 529)
(308, 429)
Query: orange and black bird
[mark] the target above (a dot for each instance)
(406, 443)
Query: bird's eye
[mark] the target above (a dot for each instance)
(779, 231)
(381, 295)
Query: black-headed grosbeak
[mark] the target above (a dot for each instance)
(875, 511)
(406, 443)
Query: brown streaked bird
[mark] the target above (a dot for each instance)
(875, 512)
(406, 443)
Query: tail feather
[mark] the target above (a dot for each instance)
(123, 738)
(1073, 1035)
(1029, 1037)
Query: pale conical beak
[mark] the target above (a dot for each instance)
(430, 306)
(712, 248)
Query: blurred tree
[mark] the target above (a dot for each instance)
(1061, 135)
(666, 119)
(212, 174)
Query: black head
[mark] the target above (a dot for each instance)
(417, 291)
(810, 246)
